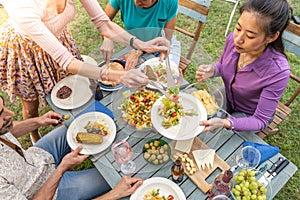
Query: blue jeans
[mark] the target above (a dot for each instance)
(85, 184)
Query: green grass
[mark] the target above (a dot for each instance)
(212, 41)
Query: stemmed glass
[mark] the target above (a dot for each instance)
(122, 153)
(248, 158)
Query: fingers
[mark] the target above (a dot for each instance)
(131, 62)
(78, 150)
(136, 185)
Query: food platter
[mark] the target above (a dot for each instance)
(165, 186)
(210, 96)
(111, 88)
(80, 94)
(157, 148)
(188, 126)
(133, 113)
(159, 68)
(257, 176)
(78, 125)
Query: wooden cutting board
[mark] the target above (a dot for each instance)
(200, 176)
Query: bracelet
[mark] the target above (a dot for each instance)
(231, 127)
(131, 41)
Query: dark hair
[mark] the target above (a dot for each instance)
(276, 14)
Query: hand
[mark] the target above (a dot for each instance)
(126, 186)
(158, 44)
(131, 58)
(49, 118)
(107, 49)
(134, 79)
(73, 159)
(204, 72)
(214, 123)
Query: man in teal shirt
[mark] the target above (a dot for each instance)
(145, 19)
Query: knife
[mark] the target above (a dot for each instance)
(272, 168)
(265, 180)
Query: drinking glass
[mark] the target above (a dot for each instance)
(122, 153)
(248, 158)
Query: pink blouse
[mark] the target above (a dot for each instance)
(32, 19)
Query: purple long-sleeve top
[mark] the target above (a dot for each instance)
(256, 88)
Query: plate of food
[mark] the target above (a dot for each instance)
(251, 189)
(211, 97)
(95, 131)
(178, 120)
(110, 85)
(159, 70)
(158, 188)
(71, 92)
(156, 151)
(132, 109)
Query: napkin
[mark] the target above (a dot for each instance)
(266, 151)
(97, 107)
(184, 145)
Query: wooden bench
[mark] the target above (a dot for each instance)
(291, 39)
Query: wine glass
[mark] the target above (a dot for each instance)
(248, 158)
(123, 153)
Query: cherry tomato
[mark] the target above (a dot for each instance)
(174, 114)
(175, 97)
(132, 96)
(104, 133)
(170, 197)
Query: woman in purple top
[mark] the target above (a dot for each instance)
(253, 66)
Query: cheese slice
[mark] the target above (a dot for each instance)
(204, 158)
(184, 145)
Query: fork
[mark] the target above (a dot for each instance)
(160, 88)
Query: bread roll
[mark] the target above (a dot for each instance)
(89, 138)
(113, 66)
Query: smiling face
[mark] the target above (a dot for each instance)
(248, 34)
(6, 118)
(144, 3)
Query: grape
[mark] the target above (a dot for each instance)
(247, 187)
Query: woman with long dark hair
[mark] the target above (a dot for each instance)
(253, 66)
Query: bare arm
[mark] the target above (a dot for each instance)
(22, 127)
(72, 159)
(169, 28)
(125, 187)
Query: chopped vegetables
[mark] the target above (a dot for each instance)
(154, 195)
(136, 108)
(171, 113)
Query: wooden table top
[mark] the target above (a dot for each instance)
(226, 143)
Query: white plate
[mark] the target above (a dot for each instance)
(188, 126)
(165, 186)
(81, 92)
(155, 62)
(78, 126)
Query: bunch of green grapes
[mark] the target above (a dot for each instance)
(247, 187)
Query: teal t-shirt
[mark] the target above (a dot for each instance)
(145, 23)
